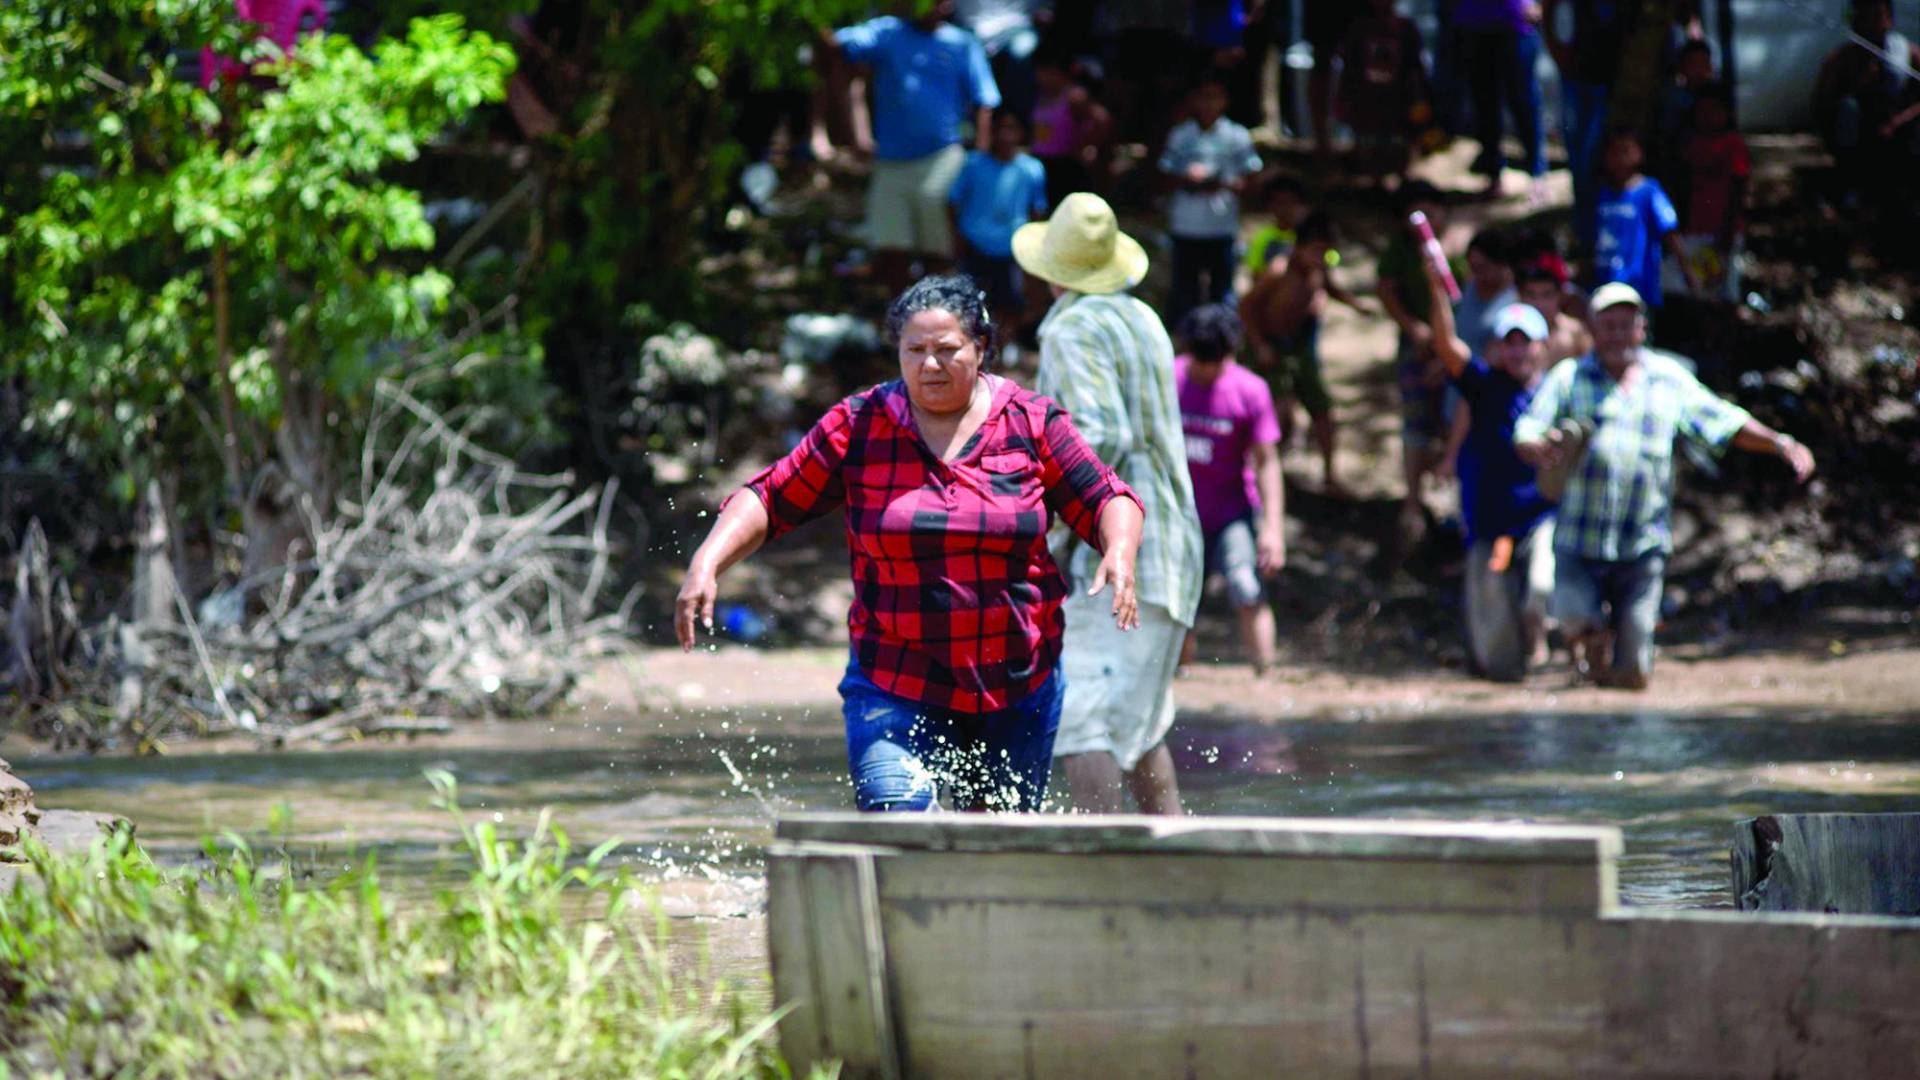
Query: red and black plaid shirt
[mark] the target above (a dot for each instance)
(956, 600)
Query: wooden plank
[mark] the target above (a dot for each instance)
(1867, 864)
(1229, 885)
(830, 961)
(1297, 837)
(1143, 966)
(790, 954)
(1726, 994)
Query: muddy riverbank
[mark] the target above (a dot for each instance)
(687, 760)
(1824, 668)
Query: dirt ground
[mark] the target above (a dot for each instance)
(1781, 677)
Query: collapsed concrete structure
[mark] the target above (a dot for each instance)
(1047, 946)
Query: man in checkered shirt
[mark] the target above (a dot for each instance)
(1615, 521)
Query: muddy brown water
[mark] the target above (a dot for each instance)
(693, 798)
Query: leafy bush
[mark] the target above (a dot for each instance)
(535, 965)
(201, 280)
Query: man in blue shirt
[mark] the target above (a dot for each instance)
(1637, 222)
(929, 78)
(998, 192)
(1509, 523)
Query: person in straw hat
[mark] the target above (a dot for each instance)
(1106, 357)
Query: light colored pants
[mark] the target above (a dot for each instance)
(907, 203)
(1498, 606)
(1119, 694)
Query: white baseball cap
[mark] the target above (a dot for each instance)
(1522, 317)
(1614, 293)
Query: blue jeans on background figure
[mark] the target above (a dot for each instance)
(1583, 123)
(1195, 258)
(901, 752)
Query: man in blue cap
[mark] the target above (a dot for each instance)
(1509, 523)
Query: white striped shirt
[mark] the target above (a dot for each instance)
(1108, 360)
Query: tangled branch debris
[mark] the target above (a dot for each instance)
(447, 583)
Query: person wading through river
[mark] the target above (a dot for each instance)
(950, 478)
(1615, 519)
(1106, 357)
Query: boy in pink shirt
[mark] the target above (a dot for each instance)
(1233, 456)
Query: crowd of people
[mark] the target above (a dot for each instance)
(1523, 363)
(1654, 174)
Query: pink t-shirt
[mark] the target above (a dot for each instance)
(1055, 134)
(1223, 421)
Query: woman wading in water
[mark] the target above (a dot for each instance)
(950, 478)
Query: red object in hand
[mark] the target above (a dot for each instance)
(1501, 556)
(1435, 255)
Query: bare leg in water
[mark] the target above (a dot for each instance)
(1257, 635)
(1094, 782)
(1156, 790)
(1098, 786)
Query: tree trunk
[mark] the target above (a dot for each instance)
(287, 493)
(42, 624)
(223, 374)
(156, 585)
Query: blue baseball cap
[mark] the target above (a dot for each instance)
(1522, 317)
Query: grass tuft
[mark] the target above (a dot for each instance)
(113, 966)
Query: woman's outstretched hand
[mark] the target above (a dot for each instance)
(740, 530)
(1116, 567)
(695, 602)
(1120, 523)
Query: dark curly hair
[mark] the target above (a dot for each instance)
(1211, 332)
(957, 295)
(1317, 227)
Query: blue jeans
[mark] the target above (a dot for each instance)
(1583, 123)
(1624, 596)
(901, 752)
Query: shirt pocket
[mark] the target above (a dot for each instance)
(1010, 473)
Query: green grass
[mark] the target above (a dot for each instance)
(113, 966)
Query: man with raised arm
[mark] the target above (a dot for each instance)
(1509, 523)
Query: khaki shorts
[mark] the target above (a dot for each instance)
(1119, 685)
(907, 203)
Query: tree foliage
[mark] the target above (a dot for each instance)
(630, 110)
(206, 279)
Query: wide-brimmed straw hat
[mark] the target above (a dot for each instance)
(1081, 248)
